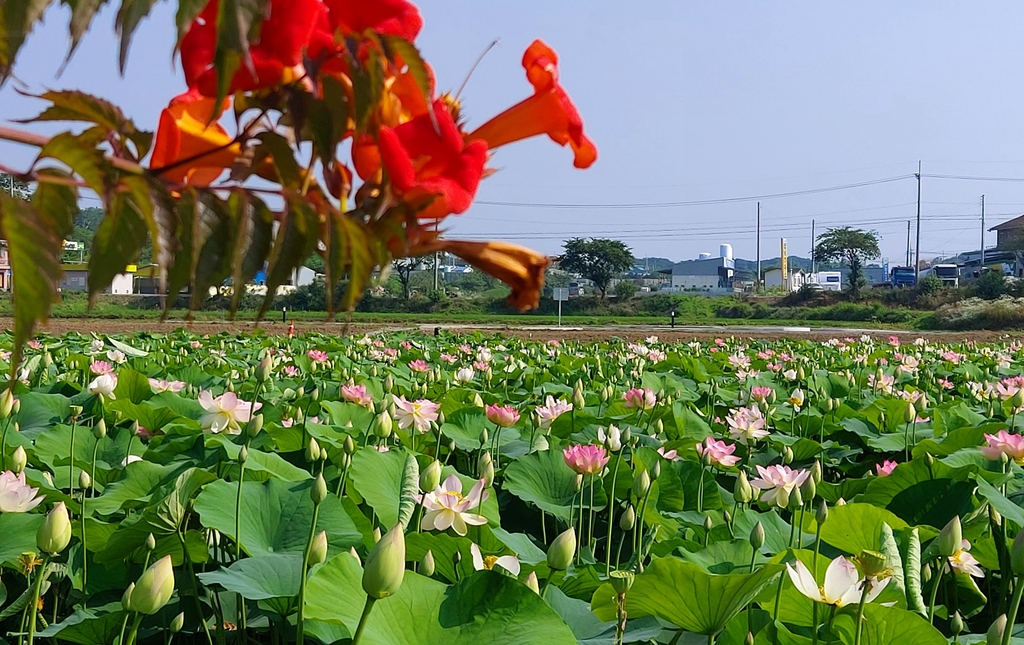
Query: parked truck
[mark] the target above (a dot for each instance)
(902, 277)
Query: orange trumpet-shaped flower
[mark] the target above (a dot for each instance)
(549, 111)
(520, 268)
(276, 58)
(183, 134)
(427, 157)
(386, 17)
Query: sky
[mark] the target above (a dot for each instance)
(698, 108)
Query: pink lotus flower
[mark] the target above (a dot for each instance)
(760, 393)
(163, 385)
(317, 356)
(1007, 388)
(670, 455)
(448, 358)
(502, 415)
(446, 507)
(885, 468)
(777, 482)
(35, 344)
(746, 425)
(226, 412)
(101, 367)
(196, 344)
(419, 366)
(15, 495)
(585, 460)
(415, 414)
(642, 398)
(290, 371)
(894, 341)
(1004, 443)
(480, 366)
(945, 384)
(551, 410)
(718, 452)
(356, 394)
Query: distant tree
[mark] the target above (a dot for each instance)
(20, 188)
(990, 285)
(403, 269)
(624, 289)
(596, 259)
(851, 246)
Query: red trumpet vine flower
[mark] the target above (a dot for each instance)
(276, 58)
(423, 161)
(549, 111)
(191, 151)
(385, 17)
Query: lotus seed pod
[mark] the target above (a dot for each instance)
(621, 581)
(430, 478)
(641, 484)
(382, 425)
(742, 492)
(385, 565)
(872, 564)
(427, 566)
(318, 549)
(126, 597)
(757, 536)
(562, 550)
(950, 538)
(243, 455)
(54, 534)
(533, 583)
(100, 429)
(628, 519)
(178, 623)
(19, 460)
(994, 636)
(154, 588)
(319, 490)
(254, 426)
(821, 515)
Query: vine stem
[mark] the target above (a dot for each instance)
(134, 632)
(367, 608)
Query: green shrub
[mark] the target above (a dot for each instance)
(990, 285)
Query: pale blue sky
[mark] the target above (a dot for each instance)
(692, 101)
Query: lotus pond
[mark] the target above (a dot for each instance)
(412, 490)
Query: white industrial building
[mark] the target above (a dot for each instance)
(706, 273)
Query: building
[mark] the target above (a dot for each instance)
(773, 279)
(5, 267)
(702, 274)
(1010, 234)
(76, 278)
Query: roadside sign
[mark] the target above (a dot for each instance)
(561, 294)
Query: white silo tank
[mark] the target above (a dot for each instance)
(703, 256)
(725, 251)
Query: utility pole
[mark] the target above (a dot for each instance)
(917, 244)
(814, 261)
(982, 231)
(910, 257)
(757, 279)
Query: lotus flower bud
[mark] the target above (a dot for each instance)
(578, 485)
(659, 426)
(54, 534)
(994, 636)
(910, 413)
(352, 552)
(385, 565)
(801, 374)
(727, 516)
(627, 436)
(154, 588)
(956, 624)
(742, 492)
(350, 445)
(318, 492)
(926, 572)
(578, 401)
(787, 455)
(562, 550)
(382, 425)
(6, 403)
(178, 623)
(808, 489)
(126, 597)
(483, 459)
(243, 455)
(628, 519)
(254, 426)
(829, 405)
(17, 407)
(427, 566)
(749, 640)
(487, 474)
(430, 478)
(100, 429)
(816, 471)
(757, 536)
(1017, 400)
(150, 542)
(457, 558)
(708, 523)
(641, 484)
(656, 470)
(315, 394)
(264, 368)
(318, 549)
(621, 581)
(19, 460)
(1017, 555)
(389, 383)
(796, 500)
(532, 583)
(484, 436)
(821, 515)
(950, 538)
(782, 498)
(312, 450)
(300, 392)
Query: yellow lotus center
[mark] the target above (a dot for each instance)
(490, 561)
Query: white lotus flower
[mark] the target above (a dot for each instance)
(843, 584)
(103, 385)
(226, 412)
(486, 563)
